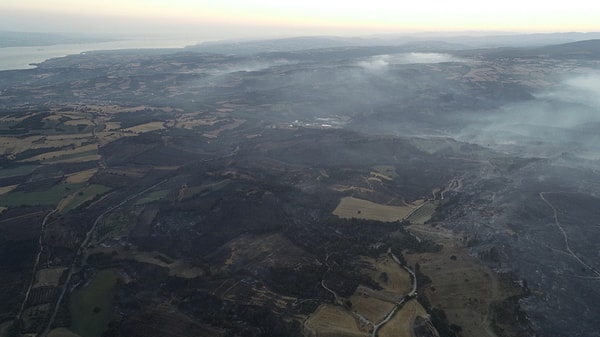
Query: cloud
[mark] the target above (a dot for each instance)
(381, 62)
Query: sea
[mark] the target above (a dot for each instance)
(12, 58)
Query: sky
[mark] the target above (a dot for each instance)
(218, 19)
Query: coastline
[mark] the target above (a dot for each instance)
(19, 58)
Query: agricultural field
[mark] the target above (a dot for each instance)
(350, 207)
(50, 197)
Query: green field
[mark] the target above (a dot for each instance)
(91, 306)
(51, 196)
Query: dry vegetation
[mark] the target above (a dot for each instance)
(332, 321)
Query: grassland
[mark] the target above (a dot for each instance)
(350, 207)
(91, 306)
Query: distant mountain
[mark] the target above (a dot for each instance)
(246, 47)
(585, 50)
(33, 39)
(521, 40)
(579, 50)
(421, 42)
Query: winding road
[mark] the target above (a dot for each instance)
(391, 313)
(398, 305)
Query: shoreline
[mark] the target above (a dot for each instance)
(22, 58)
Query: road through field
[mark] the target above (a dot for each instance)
(37, 260)
(81, 252)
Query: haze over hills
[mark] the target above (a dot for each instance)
(313, 186)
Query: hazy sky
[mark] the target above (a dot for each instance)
(238, 18)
